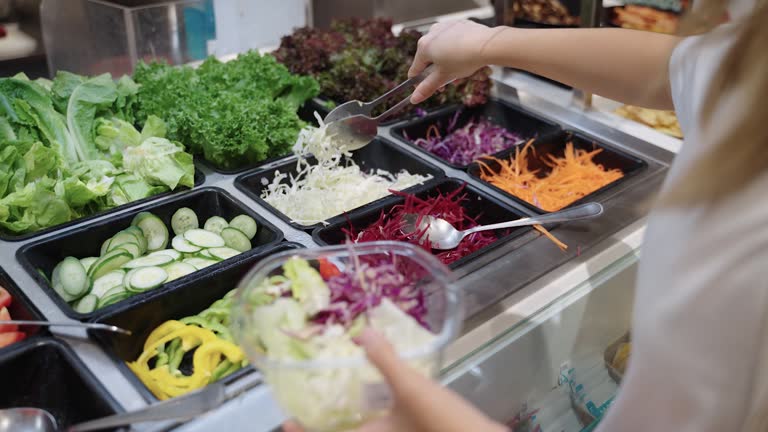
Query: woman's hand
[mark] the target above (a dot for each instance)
(455, 49)
(421, 405)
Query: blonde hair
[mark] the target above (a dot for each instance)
(741, 153)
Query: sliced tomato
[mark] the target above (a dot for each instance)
(5, 298)
(11, 338)
(328, 269)
(5, 316)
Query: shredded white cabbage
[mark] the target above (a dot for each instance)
(331, 187)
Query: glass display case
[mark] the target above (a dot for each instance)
(555, 369)
(97, 36)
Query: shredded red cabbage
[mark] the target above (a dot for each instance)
(390, 225)
(462, 146)
(362, 286)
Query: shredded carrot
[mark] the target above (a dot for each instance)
(550, 236)
(572, 177)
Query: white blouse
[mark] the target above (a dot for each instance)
(700, 349)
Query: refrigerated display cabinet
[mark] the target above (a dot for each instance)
(526, 368)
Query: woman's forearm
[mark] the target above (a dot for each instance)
(625, 65)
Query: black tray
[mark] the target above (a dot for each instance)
(45, 373)
(143, 317)
(86, 241)
(512, 118)
(489, 209)
(610, 158)
(21, 308)
(199, 179)
(379, 154)
(306, 113)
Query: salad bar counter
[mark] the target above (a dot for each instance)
(164, 267)
(490, 269)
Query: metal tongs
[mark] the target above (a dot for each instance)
(351, 125)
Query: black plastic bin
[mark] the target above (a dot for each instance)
(554, 144)
(514, 119)
(379, 154)
(86, 241)
(485, 208)
(199, 179)
(45, 373)
(143, 317)
(306, 113)
(21, 308)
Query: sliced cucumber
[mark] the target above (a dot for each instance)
(245, 224)
(140, 239)
(148, 278)
(206, 254)
(87, 304)
(105, 246)
(57, 285)
(120, 238)
(74, 278)
(120, 289)
(88, 262)
(199, 263)
(154, 230)
(203, 238)
(224, 253)
(107, 282)
(235, 239)
(148, 261)
(131, 248)
(184, 220)
(182, 245)
(179, 270)
(215, 224)
(114, 298)
(173, 253)
(112, 260)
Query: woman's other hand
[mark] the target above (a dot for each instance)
(420, 404)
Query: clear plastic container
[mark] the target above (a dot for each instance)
(338, 393)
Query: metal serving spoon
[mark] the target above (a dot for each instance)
(92, 326)
(180, 408)
(442, 235)
(351, 125)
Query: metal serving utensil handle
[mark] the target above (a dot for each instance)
(183, 407)
(403, 86)
(93, 326)
(584, 211)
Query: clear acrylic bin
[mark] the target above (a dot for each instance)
(98, 36)
(340, 392)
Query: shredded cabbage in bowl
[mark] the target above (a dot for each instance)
(332, 186)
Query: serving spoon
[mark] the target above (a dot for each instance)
(351, 125)
(442, 235)
(179, 408)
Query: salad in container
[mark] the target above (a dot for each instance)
(297, 313)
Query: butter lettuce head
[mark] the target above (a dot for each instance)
(161, 163)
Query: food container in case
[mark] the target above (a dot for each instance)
(480, 205)
(21, 308)
(45, 373)
(554, 144)
(141, 319)
(41, 257)
(339, 393)
(380, 154)
(512, 118)
(199, 180)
